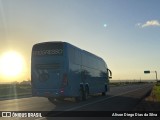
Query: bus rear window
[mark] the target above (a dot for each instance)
(47, 49)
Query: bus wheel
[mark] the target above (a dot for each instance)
(82, 95)
(105, 91)
(86, 93)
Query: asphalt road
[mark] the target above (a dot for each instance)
(121, 98)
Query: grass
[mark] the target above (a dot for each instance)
(156, 91)
(14, 90)
(151, 102)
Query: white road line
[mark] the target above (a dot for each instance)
(74, 108)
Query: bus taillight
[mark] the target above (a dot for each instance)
(62, 90)
(64, 80)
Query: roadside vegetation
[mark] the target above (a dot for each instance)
(150, 102)
(14, 90)
(156, 92)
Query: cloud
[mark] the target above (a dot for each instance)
(155, 23)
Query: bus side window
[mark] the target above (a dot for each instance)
(72, 55)
(77, 57)
(83, 75)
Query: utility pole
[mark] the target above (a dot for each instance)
(156, 76)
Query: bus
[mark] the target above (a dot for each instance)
(60, 70)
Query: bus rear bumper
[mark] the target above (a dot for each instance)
(49, 93)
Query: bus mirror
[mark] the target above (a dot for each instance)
(110, 76)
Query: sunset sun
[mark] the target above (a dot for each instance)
(11, 64)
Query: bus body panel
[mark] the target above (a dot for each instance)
(62, 75)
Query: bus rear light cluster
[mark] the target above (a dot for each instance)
(64, 80)
(62, 90)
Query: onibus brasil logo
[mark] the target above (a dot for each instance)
(21, 114)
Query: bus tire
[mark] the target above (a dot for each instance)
(82, 95)
(86, 93)
(105, 91)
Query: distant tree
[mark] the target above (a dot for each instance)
(26, 82)
(15, 83)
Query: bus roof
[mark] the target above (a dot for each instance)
(70, 45)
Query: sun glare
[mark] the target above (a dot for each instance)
(11, 64)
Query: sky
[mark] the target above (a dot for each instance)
(125, 33)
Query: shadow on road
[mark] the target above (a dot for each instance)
(100, 106)
(105, 106)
